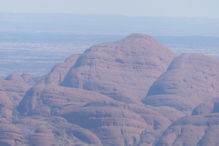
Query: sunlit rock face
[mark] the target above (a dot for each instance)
(113, 122)
(133, 92)
(123, 70)
(59, 71)
(201, 128)
(190, 80)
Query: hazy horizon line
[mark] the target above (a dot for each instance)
(107, 14)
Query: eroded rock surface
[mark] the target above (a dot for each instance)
(202, 128)
(190, 80)
(123, 70)
(132, 92)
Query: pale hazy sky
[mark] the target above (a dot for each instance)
(186, 8)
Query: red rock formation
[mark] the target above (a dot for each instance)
(201, 129)
(42, 136)
(10, 135)
(123, 70)
(96, 99)
(189, 80)
(58, 73)
(113, 122)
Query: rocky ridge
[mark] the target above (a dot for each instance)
(130, 92)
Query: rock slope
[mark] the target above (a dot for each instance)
(123, 70)
(190, 80)
(132, 92)
(201, 128)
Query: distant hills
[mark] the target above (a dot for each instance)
(131, 92)
(108, 24)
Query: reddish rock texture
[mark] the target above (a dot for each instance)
(200, 129)
(133, 92)
(207, 107)
(58, 73)
(190, 80)
(42, 136)
(97, 113)
(123, 70)
(10, 135)
(6, 106)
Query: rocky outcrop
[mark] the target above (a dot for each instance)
(190, 80)
(202, 128)
(10, 135)
(42, 136)
(123, 70)
(6, 106)
(58, 73)
(95, 98)
(97, 113)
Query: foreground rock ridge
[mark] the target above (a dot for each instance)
(132, 92)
